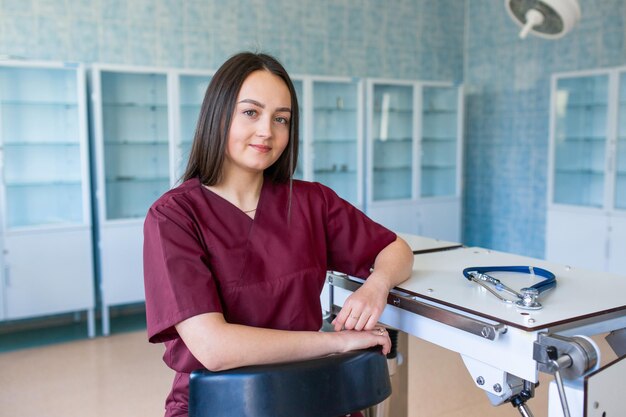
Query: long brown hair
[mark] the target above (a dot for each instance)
(208, 150)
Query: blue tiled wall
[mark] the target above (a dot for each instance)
(507, 79)
(391, 38)
(507, 116)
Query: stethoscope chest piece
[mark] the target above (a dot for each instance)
(529, 299)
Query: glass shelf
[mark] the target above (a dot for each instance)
(129, 178)
(335, 169)
(426, 139)
(32, 103)
(32, 144)
(41, 183)
(406, 140)
(402, 111)
(335, 109)
(336, 141)
(586, 106)
(438, 167)
(582, 139)
(579, 171)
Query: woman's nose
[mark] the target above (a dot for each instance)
(264, 127)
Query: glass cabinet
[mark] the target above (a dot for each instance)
(586, 219)
(134, 131)
(414, 156)
(44, 191)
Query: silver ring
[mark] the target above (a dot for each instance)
(381, 331)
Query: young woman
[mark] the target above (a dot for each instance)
(236, 256)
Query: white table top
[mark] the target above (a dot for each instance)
(426, 244)
(579, 294)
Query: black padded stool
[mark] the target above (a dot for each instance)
(326, 387)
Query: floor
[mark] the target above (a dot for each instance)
(118, 375)
(63, 374)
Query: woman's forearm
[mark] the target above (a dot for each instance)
(219, 345)
(393, 264)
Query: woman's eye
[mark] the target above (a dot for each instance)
(249, 113)
(282, 120)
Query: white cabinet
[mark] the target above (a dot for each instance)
(45, 232)
(414, 164)
(587, 182)
(331, 134)
(144, 123)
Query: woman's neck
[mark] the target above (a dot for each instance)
(242, 191)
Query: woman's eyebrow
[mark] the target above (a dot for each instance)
(261, 105)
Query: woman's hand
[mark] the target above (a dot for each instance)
(363, 308)
(353, 340)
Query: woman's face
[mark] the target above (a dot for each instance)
(259, 131)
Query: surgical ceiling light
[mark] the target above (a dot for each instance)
(550, 19)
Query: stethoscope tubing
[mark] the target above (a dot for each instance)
(548, 281)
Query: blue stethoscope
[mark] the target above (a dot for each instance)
(527, 297)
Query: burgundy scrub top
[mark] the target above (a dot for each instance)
(203, 254)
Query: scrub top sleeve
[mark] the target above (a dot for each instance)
(177, 278)
(353, 240)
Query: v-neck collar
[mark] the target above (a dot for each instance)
(232, 206)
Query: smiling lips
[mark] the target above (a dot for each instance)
(262, 148)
